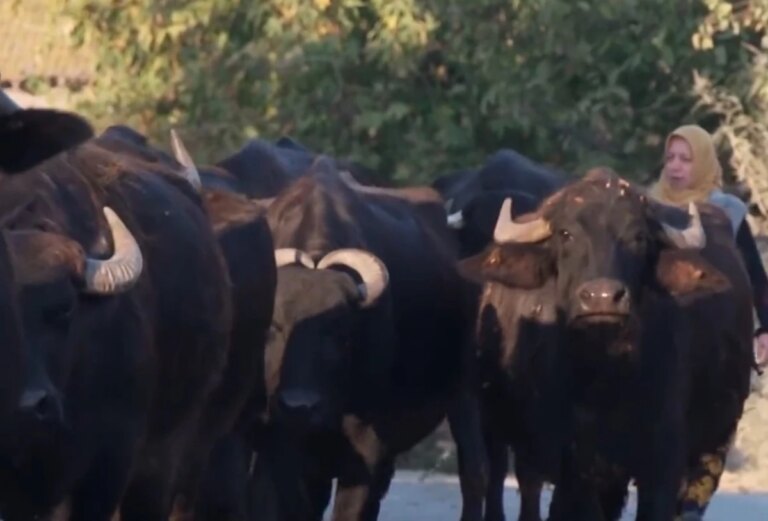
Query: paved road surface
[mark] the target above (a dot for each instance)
(438, 499)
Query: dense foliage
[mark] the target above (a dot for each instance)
(413, 88)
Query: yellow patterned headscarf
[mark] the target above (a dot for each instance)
(706, 170)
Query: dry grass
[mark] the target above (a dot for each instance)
(36, 43)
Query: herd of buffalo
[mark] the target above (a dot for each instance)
(222, 342)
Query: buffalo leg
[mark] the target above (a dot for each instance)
(319, 491)
(382, 479)
(530, 489)
(613, 497)
(364, 479)
(658, 483)
(282, 466)
(701, 482)
(148, 497)
(466, 429)
(224, 489)
(575, 497)
(358, 498)
(98, 496)
(498, 467)
(574, 503)
(150, 494)
(262, 497)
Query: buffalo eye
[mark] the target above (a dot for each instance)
(638, 239)
(565, 235)
(276, 327)
(275, 331)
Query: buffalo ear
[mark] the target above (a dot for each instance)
(522, 266)
(30, 136)
(685, 273)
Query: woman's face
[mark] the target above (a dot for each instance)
(678, 164)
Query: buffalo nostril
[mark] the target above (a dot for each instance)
(299, 400)
(40, 404)
(603, 295)
(45, 409)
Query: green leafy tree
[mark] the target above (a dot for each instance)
(740, 101)
(414, 88)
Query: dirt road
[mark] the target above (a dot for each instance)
(438, 499)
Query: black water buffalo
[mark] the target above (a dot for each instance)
(615, 342)
(124, 305)
(261, 169)
(368, 349)
(241, 229)
(33, 135)
(474, 196)
(240, 399)
(123, 139)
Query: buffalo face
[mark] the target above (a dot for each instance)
(315, 331)
(604, 244)
(28, 137)
(60, 294)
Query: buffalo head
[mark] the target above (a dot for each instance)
(59, 288)
(30, 136)
(604, 244)
(474, 223)
(317, 321)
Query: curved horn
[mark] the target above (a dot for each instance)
(350, 180)
(412, 194)
(7, 105)
(508, 230)
(119, 273)
(693, 236)
(265, 202)
(190, 172)
(288, 256)
(371, 269)
(456, 220)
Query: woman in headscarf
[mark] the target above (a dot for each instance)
(692, 172)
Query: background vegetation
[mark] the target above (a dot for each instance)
(413, 88)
